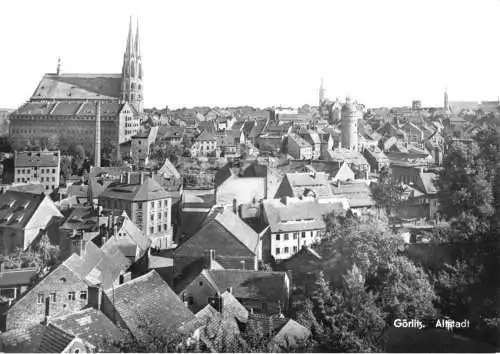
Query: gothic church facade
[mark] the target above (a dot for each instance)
(63, 108)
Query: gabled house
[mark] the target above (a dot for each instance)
(376, 158)
(358, 194)
(85, 331)
(354, 159)
(171, 135)
(299, 148)
(62, 291)
(258, 291)
(244, 182)
(146, 202)
(140, 145)
(314, 140)
(231, 243)
(23, 217)
(15, 282)
(145, 304)
(291, 227)
(204, 145)
(305, 185)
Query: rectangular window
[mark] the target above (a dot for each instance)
(159, 216)
(83, 295)
(53, 179)
(295, 235)
(286, 250)
(152, 217)
(159, 228)
(41, 179)
(39, 299)
(152, 204)
(71, 296)
(53, 297)
(303, 234)
(286, 237)
(165, 227)
(42, 171)
(166, 214)
(277, 237)
(53, 170)
(294, 249)
(151, 230)
(278, 250)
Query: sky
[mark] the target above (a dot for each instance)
(262, 53)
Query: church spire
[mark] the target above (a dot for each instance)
(137, 43)
(130, 40)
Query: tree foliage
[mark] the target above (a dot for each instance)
(469, 190)
(386, 192)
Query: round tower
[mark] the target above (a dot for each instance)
(350, 115)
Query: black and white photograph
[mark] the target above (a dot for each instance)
(236, 176)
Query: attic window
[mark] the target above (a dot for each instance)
(20, 218)
(11, 203)
(26, 205)
(62, 280)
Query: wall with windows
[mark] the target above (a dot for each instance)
(154, 218)
(284, 245)
(60, 292)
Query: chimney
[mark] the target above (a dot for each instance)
(95, 297)
(128, 177)
(340, 145)
(210, 258)
(97, 157)
(141, 178)
(230, 290)
(235, 206)
(103, 240)
(184, 300)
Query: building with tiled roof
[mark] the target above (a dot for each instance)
(358, 194)
(299, 148)
(23, 216)
(258, 291)
(353, 158)
(64, 105)
(140, 145)
(241, 182)
(233, 243)
(38, 167)
(61, 292)
(205, 144)
(146, 304)
(290, 336)
(376, 158)
(88, 330)
(146, 202)
(291, 226)
(15, 282)
(305, 185)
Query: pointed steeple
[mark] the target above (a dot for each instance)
(137, 42)
(130, 40)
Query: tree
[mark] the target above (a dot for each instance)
(66, 169)
(386, 192)
(465, 189)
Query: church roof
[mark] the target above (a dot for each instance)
(78, 86)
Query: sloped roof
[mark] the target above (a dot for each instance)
(231, 306)
(298, 140)
(303, 184)
(17, 277)
(239, 229)
(349, 156)
(36, 158)
(429, 182)
(91, 325)
(168, 170)
(358, 194)
(17, 208)
(294, 216)
(206, 136)
(243, 169)
(149, 190)
(33, 188)
(55, 340)
(79, 86)
(251, 284)
(149, 297)
(291, 334)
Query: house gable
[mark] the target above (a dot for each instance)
(213, 236)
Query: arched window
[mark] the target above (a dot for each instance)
(132, 70)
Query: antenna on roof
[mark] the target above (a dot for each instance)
(58, 65)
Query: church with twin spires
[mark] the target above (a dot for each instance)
(64, 107)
